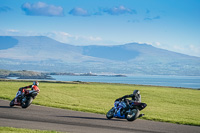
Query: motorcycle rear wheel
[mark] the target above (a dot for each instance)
(133, 115)
(27, 103)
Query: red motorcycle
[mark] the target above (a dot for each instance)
(25, 100)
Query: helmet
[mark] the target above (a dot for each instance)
(136, 92)
(137, 96)
(35, 83)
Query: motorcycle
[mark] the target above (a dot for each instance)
(130, 112)
(25, 100)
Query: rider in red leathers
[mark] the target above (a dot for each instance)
(23, 90)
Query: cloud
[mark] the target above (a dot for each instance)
(191, 49)
(195, 50)
(5, 9)
(12, 30)
(153, 18)
(65, 37)
(157, 43)
(42, 9)
(9, 32)
(120, 10)
(149, 16)
(79, 12)
(111, 11)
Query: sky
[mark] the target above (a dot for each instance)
(168, 24)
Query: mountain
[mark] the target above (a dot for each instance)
(40, 53)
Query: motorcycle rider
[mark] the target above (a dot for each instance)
(136, 97)
(21, 92)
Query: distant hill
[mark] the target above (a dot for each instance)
(40, 53)
(23, 74)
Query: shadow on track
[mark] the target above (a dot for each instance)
(91, 118)
(6, 107)
(122, 129)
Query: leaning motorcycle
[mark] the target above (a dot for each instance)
(130, 112)
(25, 100)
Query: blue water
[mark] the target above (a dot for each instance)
(173, 81)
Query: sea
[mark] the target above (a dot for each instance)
(192, 82)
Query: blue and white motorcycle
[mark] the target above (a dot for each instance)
(130, 112)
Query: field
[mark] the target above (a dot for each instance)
(166, 104)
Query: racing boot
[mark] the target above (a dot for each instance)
(140, 115)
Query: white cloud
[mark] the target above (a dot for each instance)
(120, 10)
(79, 12)
(65, 37)
(157, 43)
(12, 30)
(9, 32)
(91, 38)
(152, 18)
(193, 50)
(148, 43)
(112, 11)
(59, 36)
(42, 9)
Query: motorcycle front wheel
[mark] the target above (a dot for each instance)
(133, 115)
(110, 113)
(12, 103)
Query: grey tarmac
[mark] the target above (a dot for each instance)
(47, 118)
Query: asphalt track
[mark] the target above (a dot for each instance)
(47, 118)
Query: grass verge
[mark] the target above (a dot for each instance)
(175, 105)
(22, 130)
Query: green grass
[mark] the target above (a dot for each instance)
(22, 130)
(166, 104)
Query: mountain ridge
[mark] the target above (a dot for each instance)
(41, 53)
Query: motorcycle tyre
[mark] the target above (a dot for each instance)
(110, 114)
(12, 103)
(27, 103)
(137, 113)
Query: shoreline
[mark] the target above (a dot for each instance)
(83, 82)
